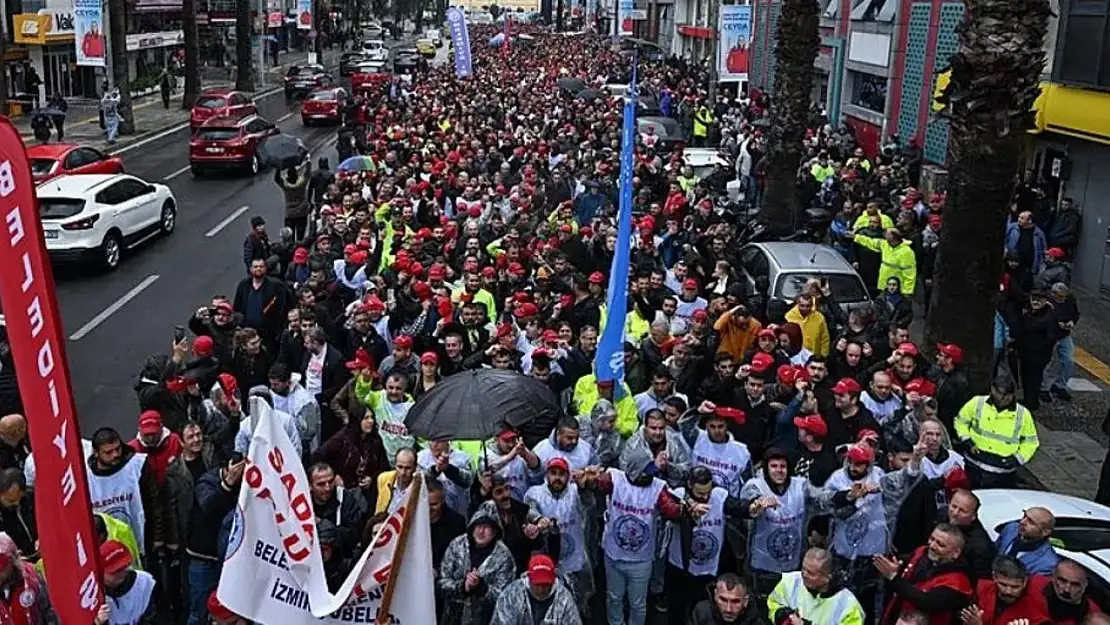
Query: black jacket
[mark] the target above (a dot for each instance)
(19, 523)
(979, 551)
(706, 613)
(348, 515)
(334, 376)
(212, 501)
(275, 304)
(953, 391)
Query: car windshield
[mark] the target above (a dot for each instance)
(1084, 535)
(323, 96)
(210, 102)
(217, 134)
(844, 287)
(59, 208)
(42, 166)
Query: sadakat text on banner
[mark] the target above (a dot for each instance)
(274, 571)
(38, 352)
(735, 30)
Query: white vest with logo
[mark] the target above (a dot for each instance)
(726, 461)
(707, 539)
(128, 609)
(864, 533)
(933, 470)
(566, 511)
(630, 519)
(578, 458)
(118, 495)
(778, 538)
(515, 473)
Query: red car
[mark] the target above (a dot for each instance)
(323, 105)
(221, 103)
(229, 143)
(368, 81)
(55, 159)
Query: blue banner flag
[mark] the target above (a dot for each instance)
(609, 359)
(460, 40)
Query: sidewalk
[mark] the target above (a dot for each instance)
(151, 117)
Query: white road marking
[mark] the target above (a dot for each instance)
(227, 221)
(176, 174)
(283, 118)
(114, 308)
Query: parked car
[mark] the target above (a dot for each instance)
(435, 36)
(369, 78)
(50, 160)
(1082, 531)
(229, 143)
(324, 105)
(426, 47)
(99, 216)
(220, 103)
(348, 61)
(302, 80)
(375, 49)
(788, 266)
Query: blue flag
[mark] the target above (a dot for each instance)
(460, 40)
(609, 359)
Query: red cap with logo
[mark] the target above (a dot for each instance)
(114, 556)
(150, 422)
(951, 350)
(597, 278)
(860, 454)
(762, 362)
(846, 385)
(541, 570)
(403, 341)
(813, 424)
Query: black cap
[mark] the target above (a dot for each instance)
(257, 221)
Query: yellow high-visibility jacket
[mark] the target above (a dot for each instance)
(840, 609)
(896, 262)
(1006, 434)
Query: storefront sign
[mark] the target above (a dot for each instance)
(732, 52)
(304, 14)
(88, 33)
(148, 41)
(62, 21)
(30, 29)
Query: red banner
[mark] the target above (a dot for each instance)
(34, 326)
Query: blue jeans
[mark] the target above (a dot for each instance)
(627, 580)
(1057, 374)
(204, 576)
(111, 127)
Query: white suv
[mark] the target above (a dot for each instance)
(98, 216)
(375, 49)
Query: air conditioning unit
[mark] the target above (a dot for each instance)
(934, 179)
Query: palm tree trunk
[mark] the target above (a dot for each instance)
(798, 45)
(192, 54)
(120, 75)
(3, 66)
(995, 80)
(244, 76)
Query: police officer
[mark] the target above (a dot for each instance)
(996, 435)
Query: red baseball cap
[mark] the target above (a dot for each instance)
(921, 386)
(541, 570)
(701, 314)
(690, 283)
(431, 357)
(558, 463)
(909, 349)
(813, 424)
(550, 336)
(768, 332)
(1055, 252)
(203, 346)
(846, 385)
(403, 341)
(114, 556)
(526, 310)
(300, 255)
(150, 422)
(951, 350)
(762, 362)
(597, 278)
(735, 415)
(860, 454)
(507, 434)
(435, 272)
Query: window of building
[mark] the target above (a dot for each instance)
(1083, 47)
(869, 92)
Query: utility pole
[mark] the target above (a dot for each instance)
(263, 13)
(109, 65)
(715, 27)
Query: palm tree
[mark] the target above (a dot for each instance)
(192, 54)
(244, 76)
(989, 103)
(117, 15)
(798, 45)
(3, 67)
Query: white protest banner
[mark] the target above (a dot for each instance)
(274, 572)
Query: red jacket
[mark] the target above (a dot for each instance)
(1044, 589)
(1031, 605)
(912, 590)
(160, 457)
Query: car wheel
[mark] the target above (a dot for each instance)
(111, 250)
(256, 164)
(169, 218)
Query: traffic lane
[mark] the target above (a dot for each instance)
(202, 204)
(105, 362)
(165, 156)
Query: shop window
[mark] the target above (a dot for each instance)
(1083, 47)
(869, 92)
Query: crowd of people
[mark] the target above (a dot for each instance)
(762, 461)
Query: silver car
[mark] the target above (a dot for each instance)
(788, 266)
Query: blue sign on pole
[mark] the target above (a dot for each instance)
(609, 359)
(460, 38)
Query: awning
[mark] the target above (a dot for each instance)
(1074, 111)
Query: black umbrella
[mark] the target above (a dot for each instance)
(282, 151)
(590, 94)
(573, 85)
(475, 405)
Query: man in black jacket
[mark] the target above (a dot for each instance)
(729, 603)
(257, 244)
(979, 550)
(323, 373)
(214, 497)
(263, 302)
(344, 507)
(953, 387)
(17, 512)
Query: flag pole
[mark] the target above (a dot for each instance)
(399, 552)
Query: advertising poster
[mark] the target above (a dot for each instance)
(304, 14)
(736, 34)
(460, 39)
(624, 17)
(88, 33)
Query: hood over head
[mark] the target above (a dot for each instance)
(636, 461)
